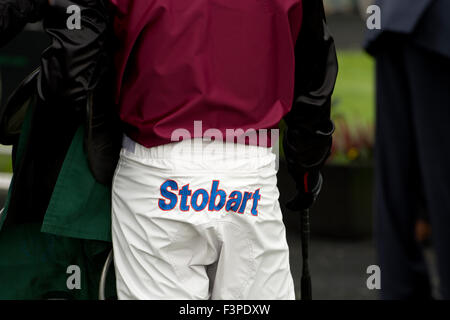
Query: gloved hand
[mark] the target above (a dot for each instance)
(308, 190)
(305, 155)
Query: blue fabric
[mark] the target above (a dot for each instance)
(128, 144)
(425, 21)
(433, 32)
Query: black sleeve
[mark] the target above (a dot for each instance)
(74, 63)
(15, 14)
(309, 131)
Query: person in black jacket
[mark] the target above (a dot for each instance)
(72, 80)
(77, 64)
(412, 52)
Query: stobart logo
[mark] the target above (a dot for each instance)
(213, 199)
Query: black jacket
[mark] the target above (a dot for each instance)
(72, 66)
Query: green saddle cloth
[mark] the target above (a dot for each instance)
(76, 230)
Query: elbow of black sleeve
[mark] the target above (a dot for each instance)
(308, 137)
(308, 150)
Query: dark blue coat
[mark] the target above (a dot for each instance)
(427, 22)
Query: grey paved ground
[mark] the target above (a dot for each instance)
(338, 265)
(338, 268)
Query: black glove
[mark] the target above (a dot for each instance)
(308, 190)
(305, 155)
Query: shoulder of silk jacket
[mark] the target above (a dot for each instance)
(308, 136)
(74, 63)
(77, 72)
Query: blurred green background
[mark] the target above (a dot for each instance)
(5, 163)
(354, 93)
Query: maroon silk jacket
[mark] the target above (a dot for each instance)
(232, 64)
(227, 63)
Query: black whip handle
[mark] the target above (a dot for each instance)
(306, 289)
